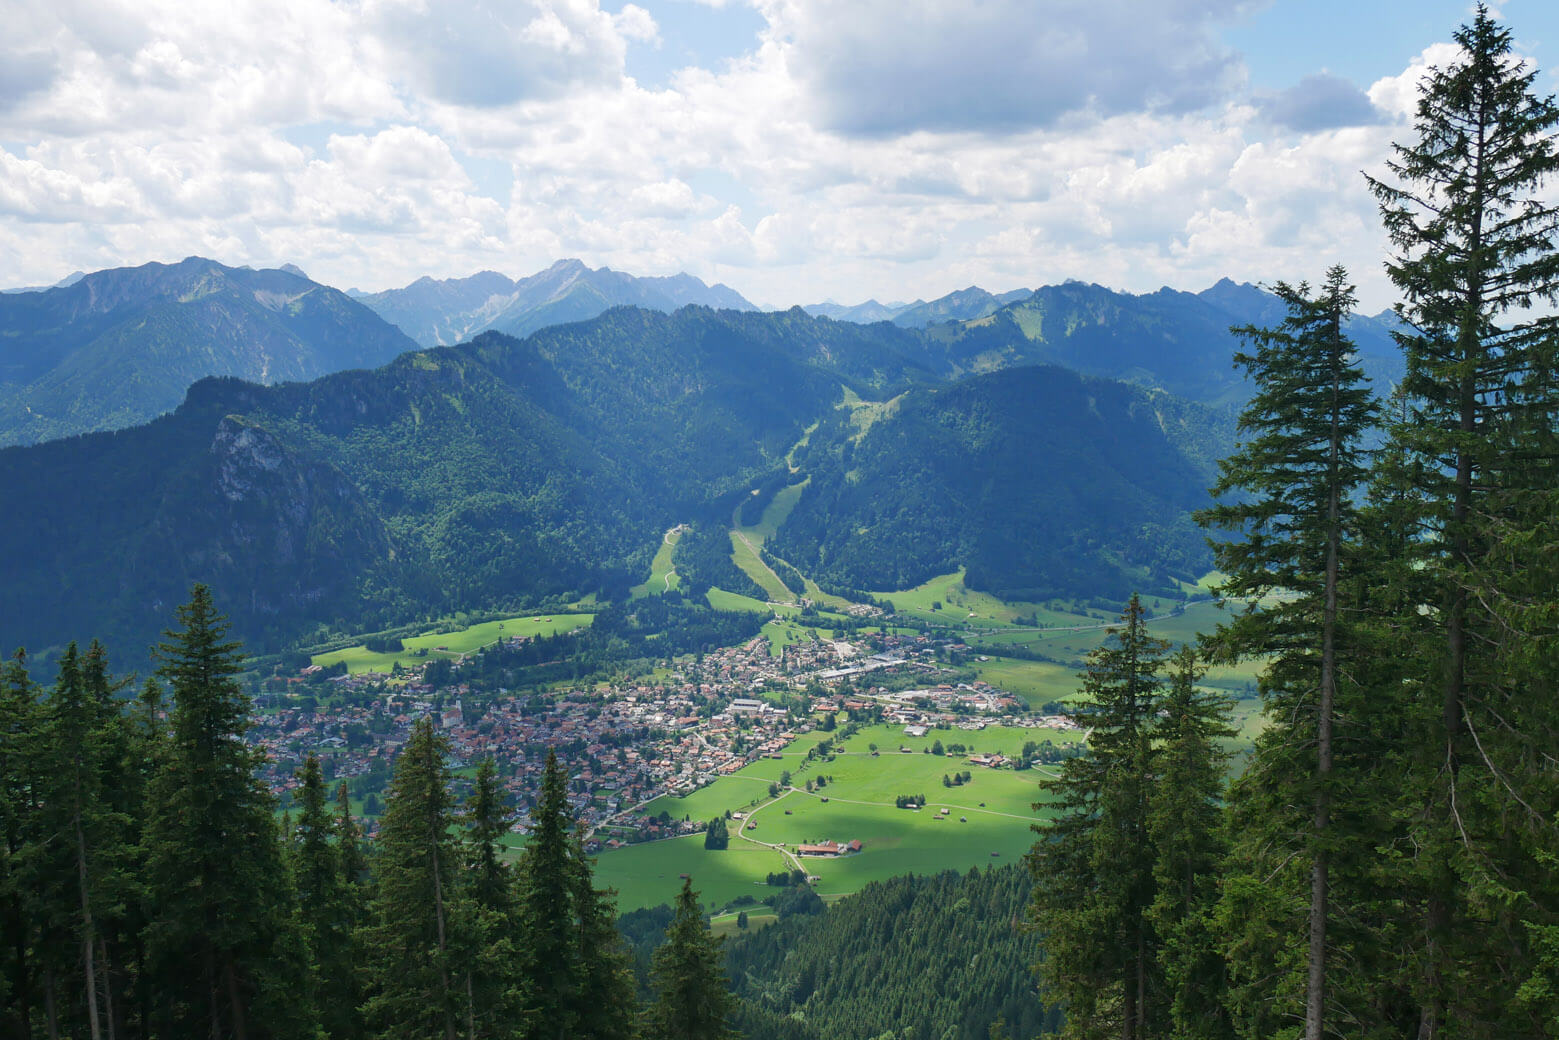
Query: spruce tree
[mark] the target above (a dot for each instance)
(1093, 863)
(1186, 829)
(551, 969)
(1478, 271)
(1293, 483)
(413, 987)
(20, 789)
(606, 999)
(490, 961)
(223, 939)
(326, 907)
(81, 850)
(692, 1001)
(353, 864)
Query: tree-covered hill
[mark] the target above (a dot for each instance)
(119, 347)
(497, 472)
(1177, 341)
(1040, 481)
(920, 958)
(509, 473)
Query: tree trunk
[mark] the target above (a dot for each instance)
(88, 938)
(438, 915)
(235, 999)
(110, 1015)
(1315, 982)
(50, 1011)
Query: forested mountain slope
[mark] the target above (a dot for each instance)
(504, 472)
(919, 958)
(499, 471)
(119, 347)
(1040, 481)
(1177, 341)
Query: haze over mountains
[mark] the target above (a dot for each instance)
(441, 313)
(1052, 443)
(119, 347)
(508, 471)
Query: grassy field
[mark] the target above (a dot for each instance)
(747, 541)
(662, 577)
(744, 553)
(723, 600)
(1035, 681)
(453, 644)
(860, 806)
(966, 607)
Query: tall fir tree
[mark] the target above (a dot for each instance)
(414, 991)
(21, 784)
(327, 907)
(1186, 829)
(1289, 500)
(606, 998)
(1478, 271)
(551, 968)
(491, 960)
(223, 942)
(692, 1000)
(1093, 863)
(82, 849)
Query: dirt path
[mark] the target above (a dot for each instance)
(666, 539)
(929, 805)
(741, 831)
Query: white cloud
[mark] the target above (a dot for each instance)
(488, 53)
(893, 66)
(373, 141)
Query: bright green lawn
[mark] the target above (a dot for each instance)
(662, 577)
(1035, 681)
(745, 555)
(453, 644)
(963, 606)
(723, 600)
(896, 840)
(650, 874)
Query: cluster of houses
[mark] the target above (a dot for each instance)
(830, 848)
(624, 745)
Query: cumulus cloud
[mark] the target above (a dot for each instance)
(1321, 101)
(491, 53)
(866, 149)
(877, 67)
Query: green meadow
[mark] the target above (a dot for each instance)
(453, 644)
(663, 577)
(860, 805)
(747, 541)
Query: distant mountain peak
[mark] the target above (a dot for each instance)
(443, 313)
(120, 346)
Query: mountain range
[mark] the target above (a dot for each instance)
(118, 347)
(510, 472)
(961, 305)
(444, 312)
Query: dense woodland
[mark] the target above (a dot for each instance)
(1384, 866)
(147, 888)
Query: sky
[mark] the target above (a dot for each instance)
(797, 150)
